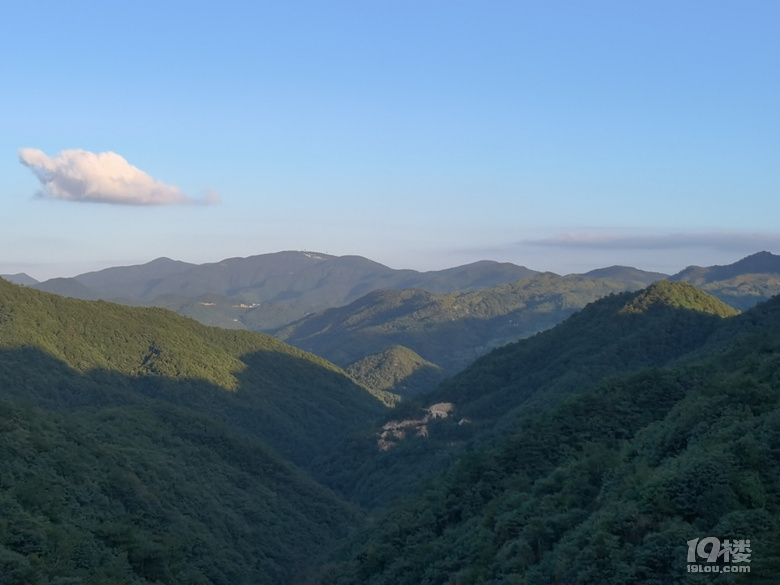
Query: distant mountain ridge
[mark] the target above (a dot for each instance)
(627, 274)
(346, 308)
(254, 292)
(132, 281)
(20, 278)
(758, 263)
(449, 330)
(743, 284)
(314, 279)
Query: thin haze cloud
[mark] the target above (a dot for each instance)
(80, 175)
(720, 241)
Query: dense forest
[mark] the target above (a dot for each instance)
(139, 446)
(607, 483)
(151, 493)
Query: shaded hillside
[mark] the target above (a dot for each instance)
(606, 488)
(607, 338)
(295, 402)
(743, 284)
(133, 282)
(269, 290)
(398, 370)
(126, 488)
(449, 330)
(610, 482)
(67, 287)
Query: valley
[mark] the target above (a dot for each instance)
(502, 432)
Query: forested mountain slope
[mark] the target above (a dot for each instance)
(134, 447)
(615, 335)
(619, 333)
(143, 491)
(139, 446)
(397, 369)
(294, 401)
(449, 330)
(609, 483)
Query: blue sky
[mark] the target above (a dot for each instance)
(562, 136)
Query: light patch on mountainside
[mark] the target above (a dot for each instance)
(395, 431)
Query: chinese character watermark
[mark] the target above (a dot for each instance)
(711, 550)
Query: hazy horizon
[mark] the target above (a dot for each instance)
(103, 266)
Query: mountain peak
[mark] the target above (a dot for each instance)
(677, 295)
(396, 369)
(162, 260)
(628, 273)
(20, 278)
(758, 263)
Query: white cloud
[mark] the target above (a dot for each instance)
(80, 175)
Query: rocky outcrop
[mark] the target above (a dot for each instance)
(397, 430)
